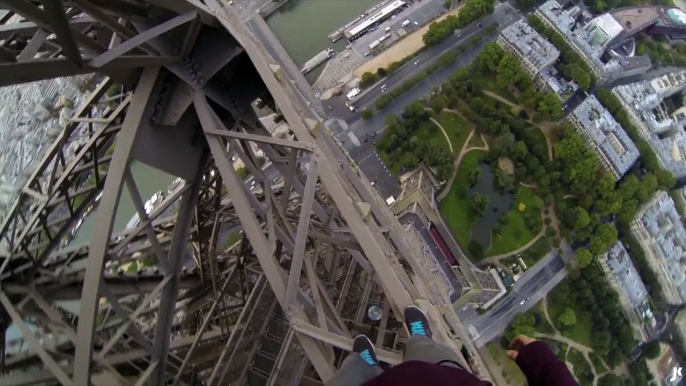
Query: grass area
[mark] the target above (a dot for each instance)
(581, 331)
(231, 240)
(536, 252)
(132, 268)
(598, 363)
(515, 234)
(488, 82)
(476, 141)
(581, 367)
(542, 324)
(508, 369)
(456, 127)
(455, 207)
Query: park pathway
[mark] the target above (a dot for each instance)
(450, 144)
(497, 258)
(465, 150)
(498, 97)
(621, 371)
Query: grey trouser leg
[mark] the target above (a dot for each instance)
(353, 372)
(421, 348)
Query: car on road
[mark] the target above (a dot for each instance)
(416, 62)
(383, 87)
(522, 302)
(478, 25)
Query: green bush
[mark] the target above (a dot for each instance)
(368, 79)
(367, 114)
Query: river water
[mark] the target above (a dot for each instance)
(303, 26)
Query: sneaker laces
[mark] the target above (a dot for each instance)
(367, 357)
(417, 328)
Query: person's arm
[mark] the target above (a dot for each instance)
(538, 363)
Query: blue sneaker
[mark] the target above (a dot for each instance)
(416, 321)
(364, 347)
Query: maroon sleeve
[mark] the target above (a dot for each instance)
(541, 367)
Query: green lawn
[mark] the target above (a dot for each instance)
(488, 82)
(515, 234)
(508, 369)
(456, 127)
(455, 207)
(476, 141)
(581, 331)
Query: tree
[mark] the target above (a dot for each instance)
(647, 187)
(479, 203)
(368, 79)
(473, 176)
(490, 57)
(610, 380)
(580, 76)
(584, 257)
(367, 114)
(665, 179)
(522, 324)
(568, 317)
(582, 218)
(605, 235)
(381, 72)
(437, 105)
(509, 71)
(550, 107)
(447, 4)
(652, 349)
(475, 249)
(506, 181)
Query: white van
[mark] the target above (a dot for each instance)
(405, 23)
(388, 29)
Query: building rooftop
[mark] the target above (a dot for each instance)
(667, 237)
(530, 44)
(662, 130)
(607, 135)
(621, 266)
(591, 39)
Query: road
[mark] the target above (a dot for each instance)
(504, 15)
(526, 292)
(374, 168)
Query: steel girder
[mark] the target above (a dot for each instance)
(301, 251)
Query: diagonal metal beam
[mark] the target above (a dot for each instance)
(141, 38)
(28, 334)
(301, 234)
(103, 226)
(54, 10)
(39, 69)
(254, 233)
(261, 139)
(140, 209)
(177, 251)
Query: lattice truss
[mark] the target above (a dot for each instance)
(177, 84)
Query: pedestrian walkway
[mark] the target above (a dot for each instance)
(465, 150)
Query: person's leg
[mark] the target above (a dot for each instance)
(359, 367)
(421, 347)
